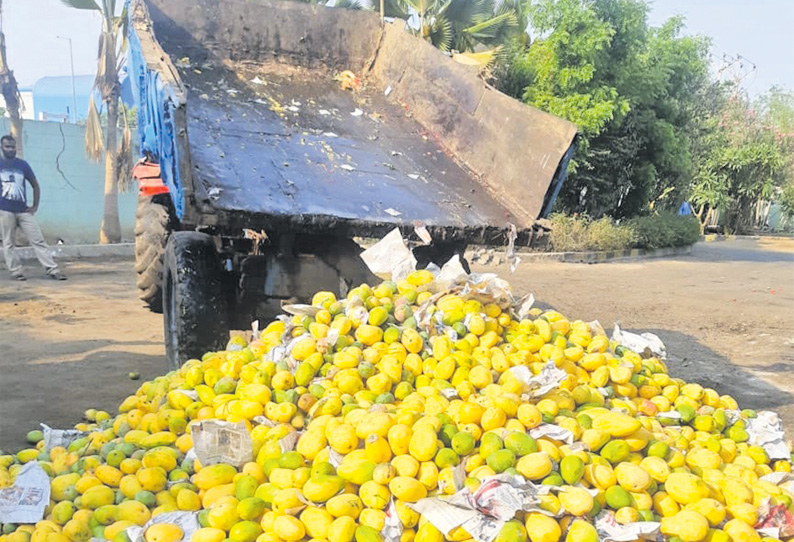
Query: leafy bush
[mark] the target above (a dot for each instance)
(665, 230)
(577, 234)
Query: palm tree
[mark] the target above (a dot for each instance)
(112, 44)
(462, 25)
(10, 90)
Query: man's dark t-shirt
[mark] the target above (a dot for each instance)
(13, 175)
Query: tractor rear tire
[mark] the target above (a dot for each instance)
(194, 303)
(154, 222)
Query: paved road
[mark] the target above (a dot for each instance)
(726, 314)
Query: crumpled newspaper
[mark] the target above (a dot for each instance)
(390, 257)
(218, 441)
(187, 521)
(25, 501)
(775, 521)
(766, 430)
(483, 513)
(553, 432)
(392, 526)
(550, 377)
(610, 530)
(60, 437)
(645, 344)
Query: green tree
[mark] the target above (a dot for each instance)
(112, 44)
(745, 162)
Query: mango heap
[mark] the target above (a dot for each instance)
(407, 387)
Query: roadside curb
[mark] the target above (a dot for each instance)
(76, 252)
(582, 257)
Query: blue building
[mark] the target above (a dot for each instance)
(53, 97)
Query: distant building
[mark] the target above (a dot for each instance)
(51, 98)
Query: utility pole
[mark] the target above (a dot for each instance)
(74, 92)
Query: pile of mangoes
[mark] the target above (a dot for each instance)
(398, 393)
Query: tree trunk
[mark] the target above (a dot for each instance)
(10, 91)
(111, 228)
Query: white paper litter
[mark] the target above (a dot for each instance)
(423, 234)
(330, 134)
(324, 112)
(257, 81)
(187, 521)
(392, 526)
(300, 309)
(646, 344)
(392, 212)
(766, 430)
(484, 513)
(387, 91)
(390, 257)
(357, 113)
(553, 432)
(214, 192)
(25, 501)
(287, 442)
(347, 167)
(524, 305)
(549, 378)
(451, 273)
(59, 437)
(413, 176)
(610, 530)
(217, 441)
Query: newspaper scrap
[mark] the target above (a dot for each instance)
(775, 521)
(334, 457)
(451, 273)
(524, 305)
(510, 251)
(483, 513)
(554, 432)
(766, 430)
(549, 378)
(423, 234)
(390, 256)
(25, 501)
(287, 442)
(645, 344)
(392, 526)
(217, 441)
(300, 309)
(59, 437)
(609, 530)
(187, 521)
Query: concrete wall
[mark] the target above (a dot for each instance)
(71, 211)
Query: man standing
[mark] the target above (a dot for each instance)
(14, 211)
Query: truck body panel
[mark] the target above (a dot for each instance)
(243, 109)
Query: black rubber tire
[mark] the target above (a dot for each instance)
(195, 307)
(154, 222)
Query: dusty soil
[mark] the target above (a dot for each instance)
(726, 314)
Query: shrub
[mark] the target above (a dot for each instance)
(665, 230)
(577, 234)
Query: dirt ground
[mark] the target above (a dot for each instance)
(726, 314)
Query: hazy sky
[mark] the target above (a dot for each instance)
(759, 30)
